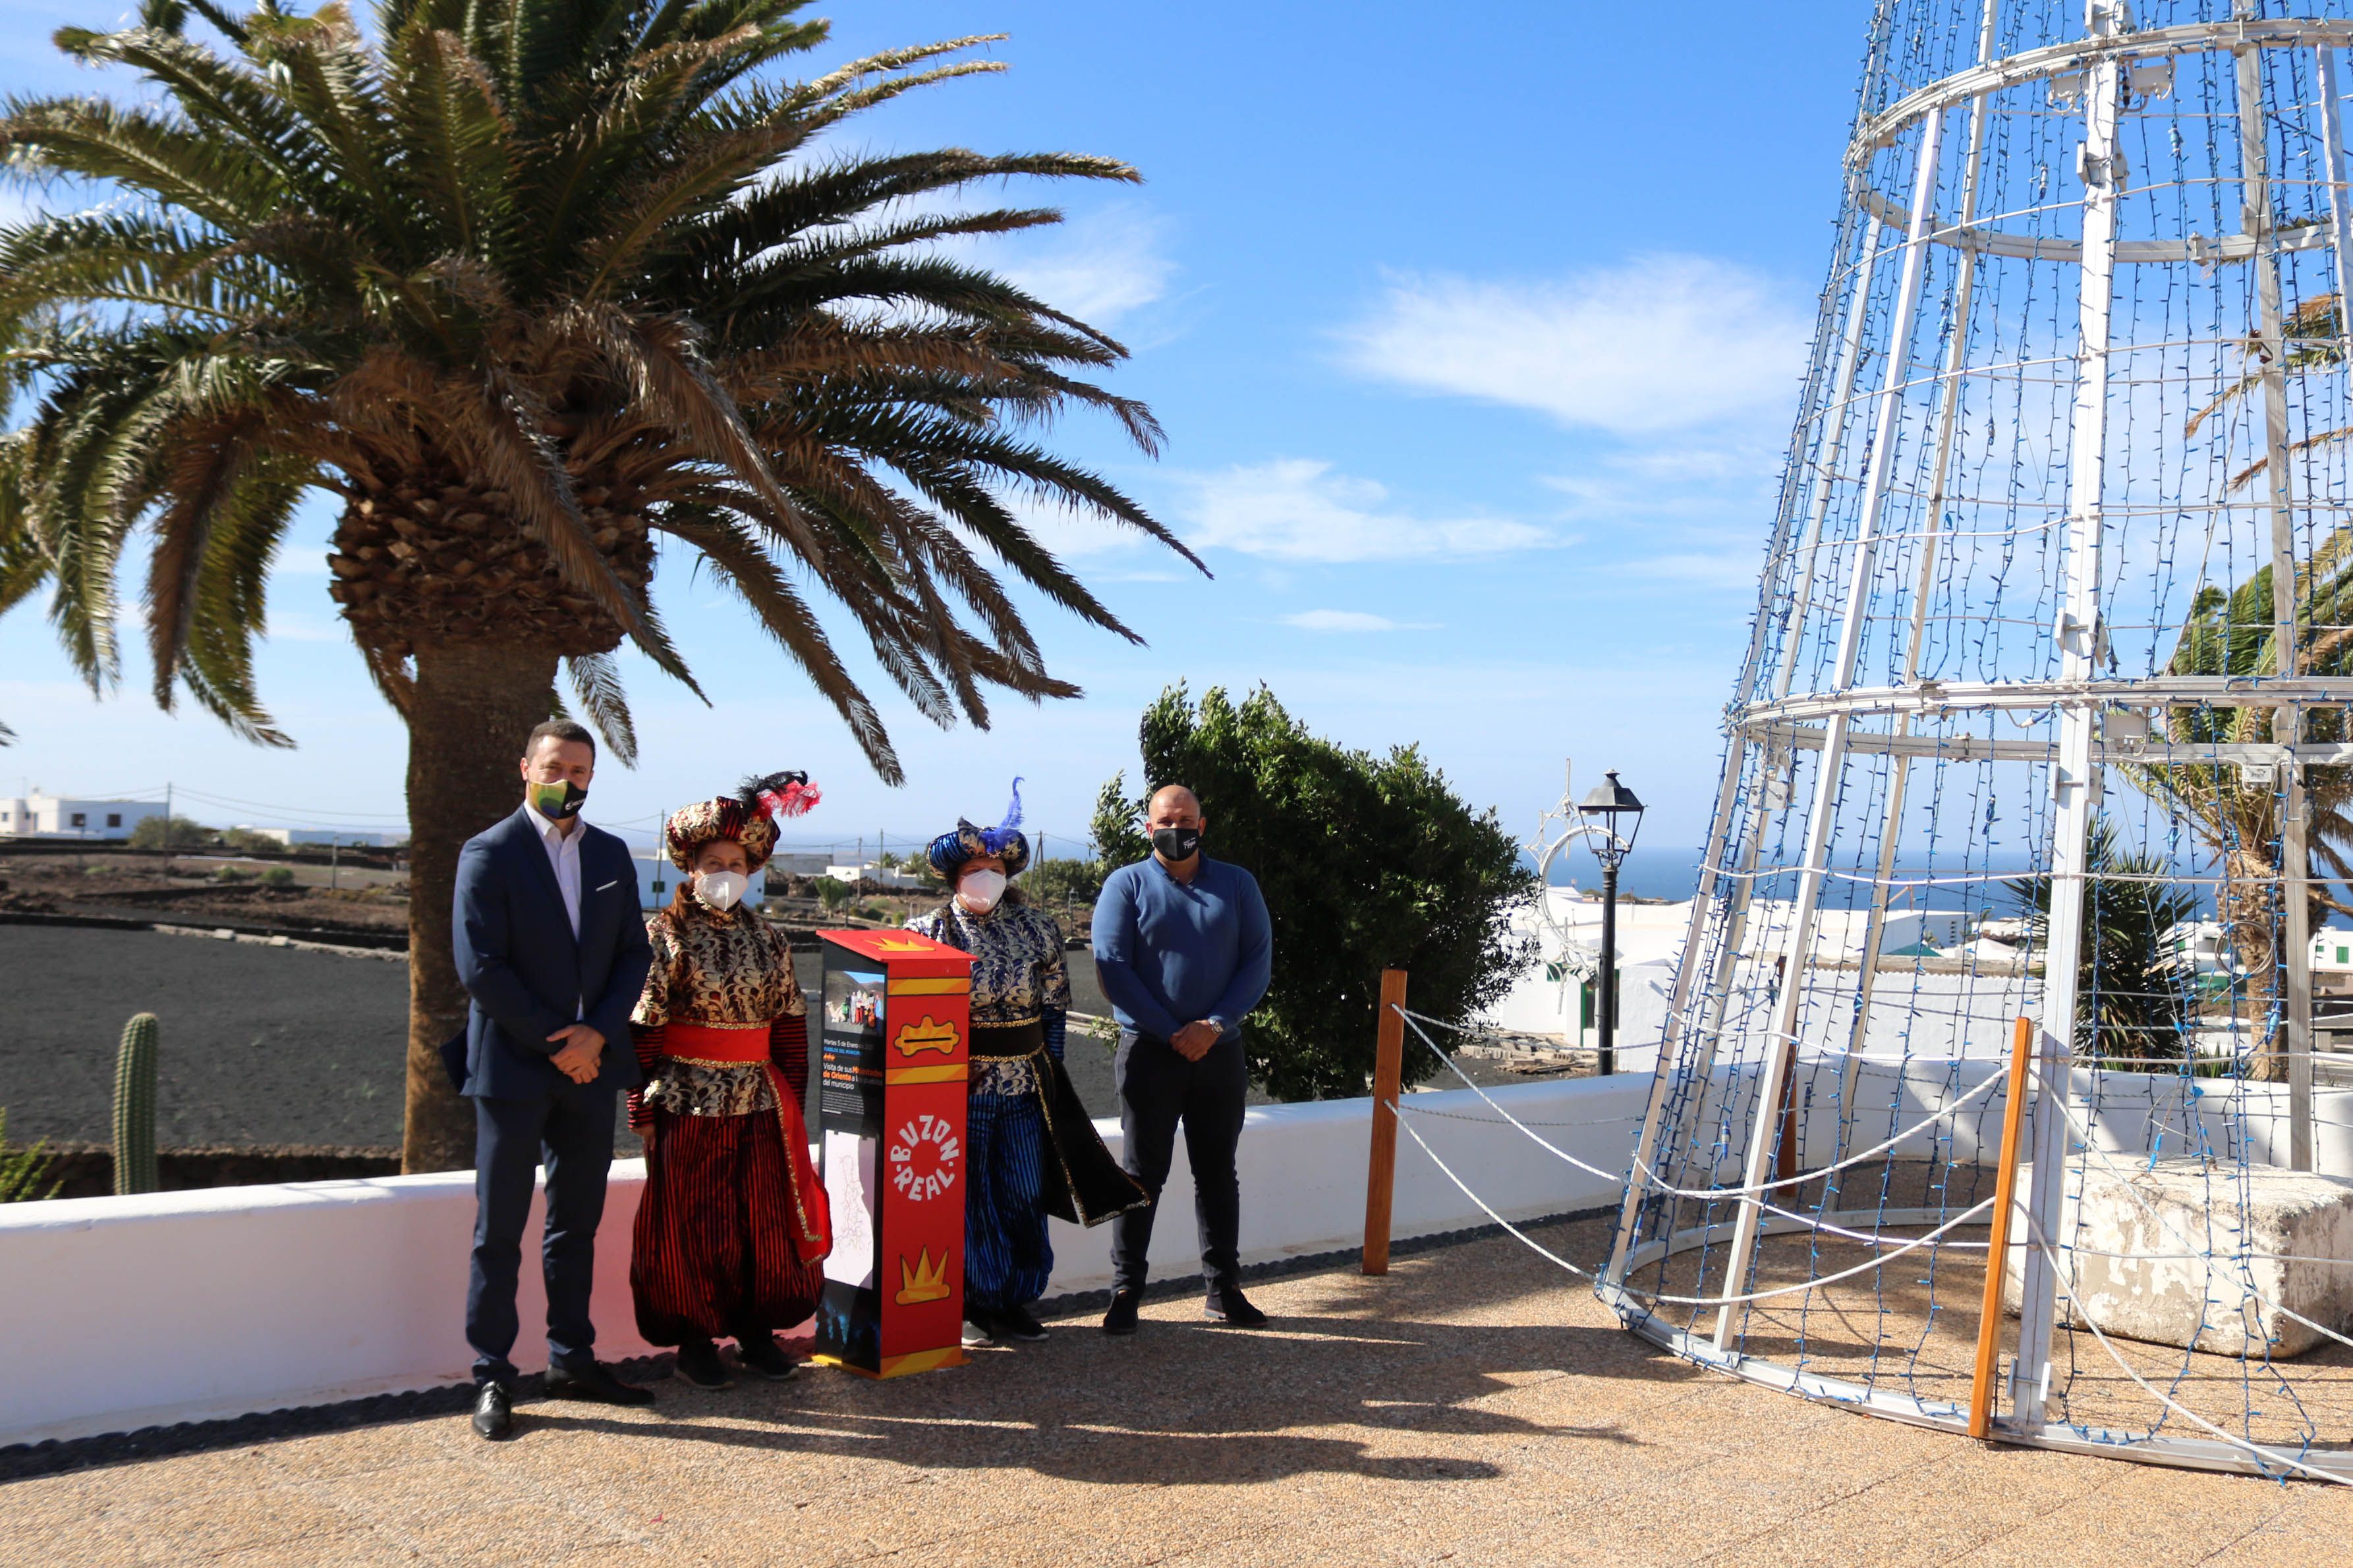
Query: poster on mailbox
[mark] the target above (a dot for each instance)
(894, 1055)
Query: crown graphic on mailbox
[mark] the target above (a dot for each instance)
(895, 1044)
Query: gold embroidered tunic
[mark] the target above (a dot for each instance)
(715, 967)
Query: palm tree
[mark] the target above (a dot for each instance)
(23, 567)
(546, 292)
(2233, 634)
(2311, 338)
(2131, 989)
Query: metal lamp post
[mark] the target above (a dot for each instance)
(1613, 817)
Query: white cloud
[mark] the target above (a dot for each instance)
(1352, 621)
(1071, 534)
(1661, 343)
(1100, 266)
(1295, 509)
(1735, 567)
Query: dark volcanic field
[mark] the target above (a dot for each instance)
(262, 1046)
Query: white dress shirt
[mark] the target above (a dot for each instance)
(563, 855)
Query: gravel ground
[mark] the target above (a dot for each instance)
(261, 1044)
(1473, 1406)
(266, 1046)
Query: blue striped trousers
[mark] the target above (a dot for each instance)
(1008, 1258)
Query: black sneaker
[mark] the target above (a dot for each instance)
(1120, 1318)
(761, 1354)
(594, 1381)
(699, 1363)
(1229, 1306)
(1019, 1323)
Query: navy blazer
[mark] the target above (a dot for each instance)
(526, 973)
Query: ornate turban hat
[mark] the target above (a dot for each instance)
(949, 851)
(748, 817)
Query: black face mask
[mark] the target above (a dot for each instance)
(1176, 843)
(557, 802)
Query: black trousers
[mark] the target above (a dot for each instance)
(1157, 1090)
(572, 1130)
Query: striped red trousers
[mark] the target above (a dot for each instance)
(712, 1257)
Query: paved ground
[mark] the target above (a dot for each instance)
(1475, 1406)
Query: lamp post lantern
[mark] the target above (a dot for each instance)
(1612, 817)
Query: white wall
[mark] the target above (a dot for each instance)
(290, 836)
(52, 816)
(122, 1312)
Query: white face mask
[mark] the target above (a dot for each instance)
(980, 889)
(720, 890)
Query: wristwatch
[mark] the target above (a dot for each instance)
(1219, 1024)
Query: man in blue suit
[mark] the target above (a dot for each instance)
(551, 946)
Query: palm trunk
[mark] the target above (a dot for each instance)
(2250, 917)
(472, 705)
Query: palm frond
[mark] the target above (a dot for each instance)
(596, 682)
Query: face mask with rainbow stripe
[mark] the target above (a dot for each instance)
(557, 802)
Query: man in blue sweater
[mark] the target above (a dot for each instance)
(1182, 949)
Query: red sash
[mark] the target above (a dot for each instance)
(813, 1219)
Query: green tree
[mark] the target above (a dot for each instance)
(1117, 827)
(833, 894)
(2234, 633)
(174, 833)
(1058, 884)
(529, 287)
(2132, 991)
(1368, 863)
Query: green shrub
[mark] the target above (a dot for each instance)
(26, 1174)
(148, 833)
(1059, 883)
(1368, 863)
(231, 874)
(872, 912)
(832, 894)
(277, 876)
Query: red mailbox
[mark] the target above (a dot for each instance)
(895, 1052)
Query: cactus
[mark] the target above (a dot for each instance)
(134, 1106)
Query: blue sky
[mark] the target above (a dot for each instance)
(1476, 333)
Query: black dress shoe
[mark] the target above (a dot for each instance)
(699, 1363)
(1019, 1323)
(493, 1410)
(1227, 1305)
(761, 1354)
(595, 1383)
(1120, 1318)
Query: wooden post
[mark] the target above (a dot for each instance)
(1389, 1067)
(2005, 1192)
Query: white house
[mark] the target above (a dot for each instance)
(38, 816)
(888, 877)
(290, 836)
(2332, 951)
(658, 879)
(2201, 947)
(1556, 995)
